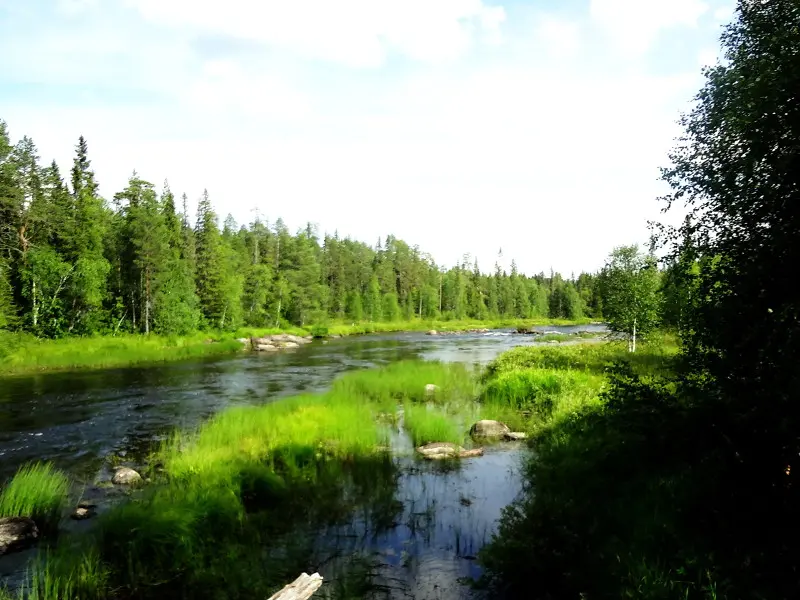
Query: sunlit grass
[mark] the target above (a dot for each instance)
(427, 423)
(24, 353)
(37, 491)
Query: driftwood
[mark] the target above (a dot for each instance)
(301, 588)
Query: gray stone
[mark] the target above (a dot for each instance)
(489, 429)
(431, 389)
(17, 533)
(516, 436)
(443, 450)
(126, 476)
(433, 332)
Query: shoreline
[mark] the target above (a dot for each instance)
(27, 355)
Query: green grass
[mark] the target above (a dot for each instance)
(38, 491)
(601, 516)
(23, 353)
(236, 504)
(427, 423)
(535, 399)
(406, 380)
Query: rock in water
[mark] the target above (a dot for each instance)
(126, 476)
(433, 332)
(17, 533)
(81, 513)
(443, 450)
(516, 435)
(489, 429)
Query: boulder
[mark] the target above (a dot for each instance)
(126, 476)
(266, 347)
(489, 429)
(516, 436)
(431, 389)
(433, 332)
(246, 342)
(443, 450)
(290, 345)
(17, 533)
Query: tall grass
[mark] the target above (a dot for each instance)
(38, 491)
(406, 380)
(426, 424)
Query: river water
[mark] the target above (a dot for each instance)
(79, 419)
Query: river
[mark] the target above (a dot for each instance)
(78, 420)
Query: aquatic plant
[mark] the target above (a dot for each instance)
(426, 424)
(38, 491)
(407, 380)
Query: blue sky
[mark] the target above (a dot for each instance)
(459, 125)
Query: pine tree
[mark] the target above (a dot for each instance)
(176, 305)
(88, 282)
(210, 264)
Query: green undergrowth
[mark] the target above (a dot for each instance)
(38, 491)
(608, 511)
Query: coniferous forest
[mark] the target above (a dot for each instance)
(73, 263)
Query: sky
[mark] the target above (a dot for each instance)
(463, 126)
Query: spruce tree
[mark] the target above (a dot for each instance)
(210, 264)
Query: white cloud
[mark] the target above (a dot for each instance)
(554, 160)
(708, 57)
(724, 14)
(76, 7)
(633, 25)
(354, 32)
(559, 36)
(226, 86)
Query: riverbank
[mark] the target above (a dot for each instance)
(22, 353)
(235, 508)
(238, 506)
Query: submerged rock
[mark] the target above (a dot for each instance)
(83, 512)
(442, 450)
(126, 476)
(17, 533)
(489, 429)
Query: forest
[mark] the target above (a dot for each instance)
(73, 263)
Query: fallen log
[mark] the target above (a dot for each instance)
(301, 588)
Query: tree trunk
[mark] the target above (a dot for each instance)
(634, 336)
(147, 303)
(35, 306)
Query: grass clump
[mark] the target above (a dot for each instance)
(406, 380)
(426, 424)
(37, 491)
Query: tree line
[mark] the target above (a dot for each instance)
(73, 263)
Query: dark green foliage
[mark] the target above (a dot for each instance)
(72, 264)
(683, 485)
